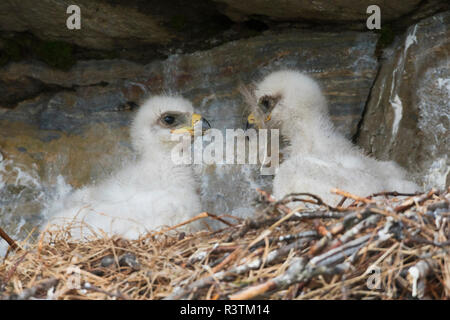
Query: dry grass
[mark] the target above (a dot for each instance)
(381, 247)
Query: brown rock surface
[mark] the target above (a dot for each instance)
(102, 26)
(322, 10)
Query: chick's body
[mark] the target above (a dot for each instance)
(319, 158)
(151, 192)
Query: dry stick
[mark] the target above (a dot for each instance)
(324, 241)
(250, 224)
(289, 215)
(411, 202)
(30, 292)
(220, 219)
(292, 197)
(276, 204)
(273, 256)
(351, 196)
(358, 278)
(197, 217)
(300, 271)
(341, 252)
(299, 216)
(118, 295)
(227, 260)
(349, 221)
(425, 241)
(403, 219)
(269, 230)
(341, 203)
(439, 205)
(357, 214)
(320, 215)
(310, 234)
(393, 194)
(293, 273)
(10, 241)
(13, 269)
(371, 220)
(382, 257)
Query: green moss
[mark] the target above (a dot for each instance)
(57, 54)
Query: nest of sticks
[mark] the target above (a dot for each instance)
(386, 246)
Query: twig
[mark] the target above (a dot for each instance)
(370, 221)
(298, 216)
(31, 292)
(298, 271)
(11, 272)
(419, 199)
(393, 194)
(7, 238)
(250, 224)
(341, 252)
(426, 241)
(91, 287)
(180, 293)
(202, 215)
(351, 196)
(227, 260)
(309, 234)
(293, 197)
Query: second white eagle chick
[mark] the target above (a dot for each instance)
(319, 158)
(151, 192)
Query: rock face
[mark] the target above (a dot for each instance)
(78, 125)
(113, 24)
(408, 115)
(47, 19)
(338, 11)
(151, 25)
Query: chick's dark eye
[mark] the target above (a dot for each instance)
(265, 103)
(169, 120)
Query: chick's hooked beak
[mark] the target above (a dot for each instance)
(196, 121)
(251, 121)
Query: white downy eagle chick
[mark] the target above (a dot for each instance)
(150, 192)
(319, 158)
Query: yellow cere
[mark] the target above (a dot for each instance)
(251, 118)
(196, 118)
